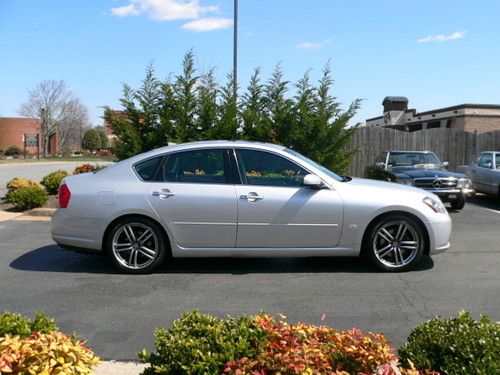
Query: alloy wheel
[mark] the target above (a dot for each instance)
(135, 245)
(396, 244)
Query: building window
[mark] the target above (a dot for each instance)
(415, 127)
(433, 124)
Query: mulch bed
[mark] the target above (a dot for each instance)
(5, 206)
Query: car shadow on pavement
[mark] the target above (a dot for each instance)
(53, 259)
(485, 201)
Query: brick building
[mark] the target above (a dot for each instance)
(478, 118)
(13, 130)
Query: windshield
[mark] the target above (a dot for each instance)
(408, 159)
(314, 164)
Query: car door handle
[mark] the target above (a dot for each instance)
(163, 193)
(252, 197)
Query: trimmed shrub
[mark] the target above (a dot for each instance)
(13, 151)
(202, 344)
(45, 353)
(458, 345)
(26, 198)
(377, 173)
(88, 168)
(260, 345)
(84, 168)
(104, 153)
(18, 182)
(308, 349)
(52, 181)
(19, 325)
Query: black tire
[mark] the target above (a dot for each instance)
(134, 254)
(398, 251)
(458, 204)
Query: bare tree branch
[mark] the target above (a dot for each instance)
(60, 110)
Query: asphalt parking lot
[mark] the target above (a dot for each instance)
(118, 313)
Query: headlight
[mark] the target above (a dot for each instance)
(435, 205)
(405, 181)
(464, 183)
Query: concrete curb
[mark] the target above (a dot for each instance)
(5, 216)
(117, 367)
(40, 212)
(43, 214)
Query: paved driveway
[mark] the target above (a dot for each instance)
(34, 171)
(118, 313)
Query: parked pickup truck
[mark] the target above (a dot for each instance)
(423, 169)
(484, 172)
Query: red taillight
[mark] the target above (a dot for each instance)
(64, 196)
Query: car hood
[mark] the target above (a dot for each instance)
(383, 185)
(419, 173)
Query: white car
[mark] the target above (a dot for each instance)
(241, 199)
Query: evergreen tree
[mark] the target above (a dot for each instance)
(188, 108)
(253, 112)
(206, 113)
(226, 125)
(279, 110)
(185, 101)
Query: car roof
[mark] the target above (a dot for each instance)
(218, 143)
(204, 144)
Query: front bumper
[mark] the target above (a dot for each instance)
(439, 234)
(448, 195)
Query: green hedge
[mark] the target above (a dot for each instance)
(202, 344)
(20, 325)
(53, 180)
(29, 197)
(456, 346)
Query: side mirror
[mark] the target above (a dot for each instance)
(446, 164)
(380, 164)
(312, 181)
(486, 165)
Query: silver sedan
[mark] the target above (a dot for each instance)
(243, 199)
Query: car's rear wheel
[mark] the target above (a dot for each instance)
(395, 243)
(136, 245)
(458, 204)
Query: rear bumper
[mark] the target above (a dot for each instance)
(76, 233)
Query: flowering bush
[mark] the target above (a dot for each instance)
(307, 349)
(104, 152)
(17, 183)
(84, 168)
(45, 353)
(260, 345)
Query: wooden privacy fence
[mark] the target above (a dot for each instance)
(457, 147)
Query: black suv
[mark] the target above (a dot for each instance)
(423, 169)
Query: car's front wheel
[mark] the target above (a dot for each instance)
(458, 204)
(136, 245)
(395, 243)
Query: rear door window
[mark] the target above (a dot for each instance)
(208, 166)
(147, 169)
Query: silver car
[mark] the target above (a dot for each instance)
(243, 199)
(484, 172)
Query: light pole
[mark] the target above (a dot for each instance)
(235, 48)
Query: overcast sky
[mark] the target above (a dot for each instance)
(436, 52)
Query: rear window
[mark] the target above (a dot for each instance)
(146, 169)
